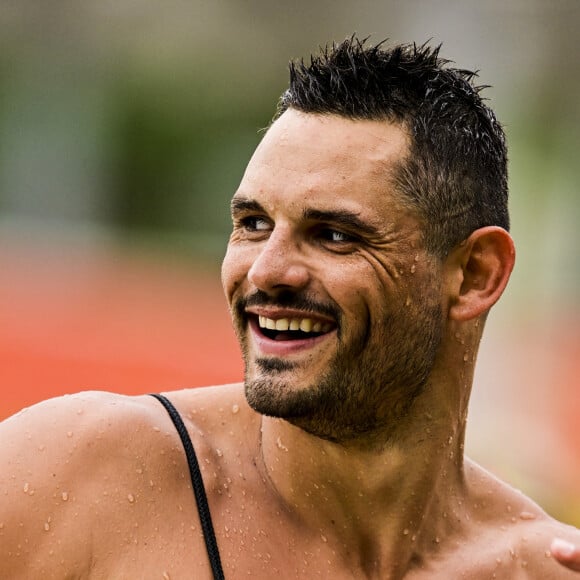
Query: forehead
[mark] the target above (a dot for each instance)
(309, 160)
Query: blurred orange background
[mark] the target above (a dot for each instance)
(75, 317)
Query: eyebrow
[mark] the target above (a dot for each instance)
(241, 204)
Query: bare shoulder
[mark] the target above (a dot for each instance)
(64, 430)
(83, 476)
(52, 456)
(220, 423)
(516, 531)
(213, 408)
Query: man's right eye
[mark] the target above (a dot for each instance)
(255, 224)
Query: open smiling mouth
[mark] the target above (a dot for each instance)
(293, 328)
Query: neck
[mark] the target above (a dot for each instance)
(378, 505)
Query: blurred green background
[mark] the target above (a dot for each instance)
(132, 122)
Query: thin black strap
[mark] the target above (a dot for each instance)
(198, 488)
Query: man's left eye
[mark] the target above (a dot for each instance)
(336, 236)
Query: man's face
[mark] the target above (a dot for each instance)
(335, 302)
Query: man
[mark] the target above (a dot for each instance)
(369, 243)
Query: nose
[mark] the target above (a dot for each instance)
(280, 265)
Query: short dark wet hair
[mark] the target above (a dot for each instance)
(455, 175)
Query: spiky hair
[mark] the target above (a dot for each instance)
(455, 175)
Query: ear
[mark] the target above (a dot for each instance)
(480, 269)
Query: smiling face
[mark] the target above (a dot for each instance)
(335, 302)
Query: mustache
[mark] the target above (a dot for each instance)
(289, 299)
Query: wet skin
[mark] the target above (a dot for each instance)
(96, 485)
(129, 510)
(318, 234)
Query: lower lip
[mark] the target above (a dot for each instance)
(284, 347)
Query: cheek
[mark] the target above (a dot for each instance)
(233, 271)
(353, 289)
(230, 274)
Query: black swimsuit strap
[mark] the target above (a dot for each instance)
(198, 488)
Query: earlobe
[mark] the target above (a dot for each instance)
(482, 265)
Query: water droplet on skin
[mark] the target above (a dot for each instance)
(69, 434)
(235, 409)
(323, 538)
(1, 525)
(47, 527)
(41, 447)
(413, 268)
(405, 532)
(64, 496)
(219, 452)
(281, 445)
(465, 357)
(26, 487)
(527, 516)
(166, 576)
(131, 498)
(548, 554)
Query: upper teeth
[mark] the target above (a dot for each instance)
(303, 324)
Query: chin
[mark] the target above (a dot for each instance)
(276, 397)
